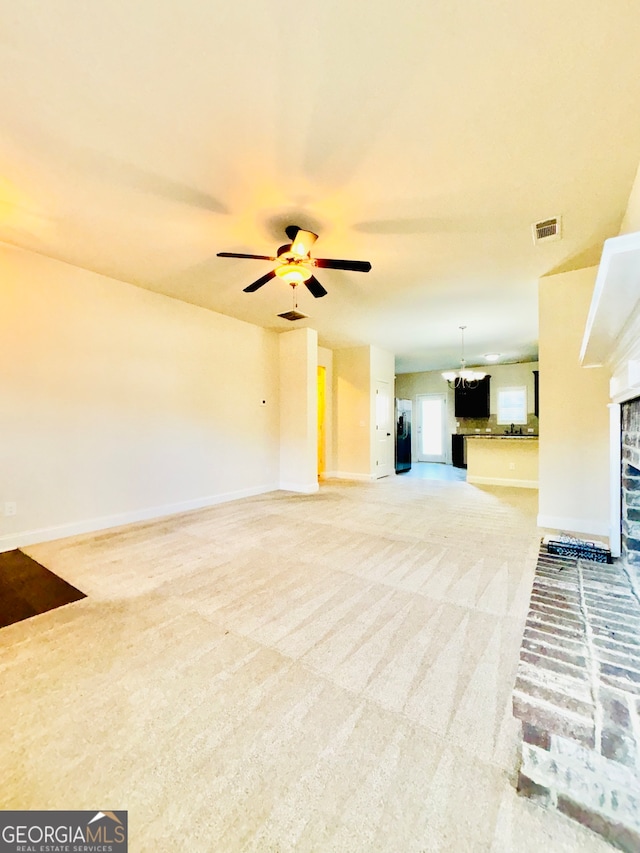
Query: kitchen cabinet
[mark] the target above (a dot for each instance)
(458, 451)
(473, 402)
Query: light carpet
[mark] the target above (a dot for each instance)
(288, 673)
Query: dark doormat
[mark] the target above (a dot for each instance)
(27, 588)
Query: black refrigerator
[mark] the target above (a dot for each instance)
(403, 435)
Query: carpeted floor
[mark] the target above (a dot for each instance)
(288, 673)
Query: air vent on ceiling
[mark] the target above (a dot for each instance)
(293, 315)
(547, 230)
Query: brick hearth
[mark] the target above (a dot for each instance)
(577, 695)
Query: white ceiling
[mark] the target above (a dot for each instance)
(141, 138)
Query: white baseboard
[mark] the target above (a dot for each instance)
(76, 528)
(502, 481)
(303, 489)
(574, 525)
(349, 475)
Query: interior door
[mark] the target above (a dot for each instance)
(384, 429)
(432, 427)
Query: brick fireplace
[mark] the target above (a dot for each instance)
(577, 692)
(630, 504)
(577, 695)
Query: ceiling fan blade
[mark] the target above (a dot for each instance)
(256, 284)
(335, 264)
(315, 288)
(291, 231)
(238, 255)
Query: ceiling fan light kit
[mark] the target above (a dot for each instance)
(293, 273)
(465, 377)
(295, 264)
(301, 241)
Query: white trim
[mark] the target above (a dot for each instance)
(502, 481)
(348, 475)
(615, 486)
(574, 525)
(91, 525)
(302, 488)
(614, 300)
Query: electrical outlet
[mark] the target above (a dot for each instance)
(512, 466)
(10, 508)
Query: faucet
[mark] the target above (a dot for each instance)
(513, 431)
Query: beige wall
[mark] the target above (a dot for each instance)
(299, 410)
(351, 411)
(574, 419)
(325, 359)
(631, 219)
(116, 403)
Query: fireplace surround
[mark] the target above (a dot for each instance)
(577, 692)
(630, 488)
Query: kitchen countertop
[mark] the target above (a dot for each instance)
(497, 435)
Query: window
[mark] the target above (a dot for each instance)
(512, 405)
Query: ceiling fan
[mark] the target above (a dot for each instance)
(295, 264)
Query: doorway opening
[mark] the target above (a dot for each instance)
(432, 427)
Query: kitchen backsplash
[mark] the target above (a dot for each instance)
(471, 426)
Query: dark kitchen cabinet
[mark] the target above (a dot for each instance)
(458, 455)
(473, 402)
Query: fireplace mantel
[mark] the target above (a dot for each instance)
(612, 333)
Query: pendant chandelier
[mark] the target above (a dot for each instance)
(464, 377)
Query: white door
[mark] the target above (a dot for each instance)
(432, 427)
(384, 430)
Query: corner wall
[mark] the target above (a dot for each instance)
(574, 418)
(356, 374)
(299, 410)
(352, 412)
(117, 404)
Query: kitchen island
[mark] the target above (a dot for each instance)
(503, 460)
